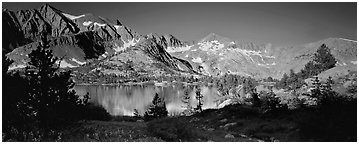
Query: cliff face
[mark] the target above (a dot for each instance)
(26, 26)
(78, 39)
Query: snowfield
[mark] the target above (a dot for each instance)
(65, 64)
(71, 17)
(99, 24)
(130, 43)
(17, 67)
(178, 49)
(347, 40)
(117, 26)
(77, 61)
(212, 45)
(87, 23)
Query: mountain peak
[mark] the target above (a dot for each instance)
(118, 23)
(153, 35)
(214, 36)
(48, 7)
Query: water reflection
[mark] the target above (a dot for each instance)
(122, 100)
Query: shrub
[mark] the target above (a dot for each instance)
(269, 102)
(171, 129)
(334, 120)
(43, 101)
(95, 112)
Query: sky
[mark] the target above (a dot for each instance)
(281, 24)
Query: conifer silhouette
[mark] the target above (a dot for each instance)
(51, 99)
(157, 109)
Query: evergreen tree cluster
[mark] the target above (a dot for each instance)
(323, 60)
(228, 81)
(41, 99)
(157, 109)
(199, 98)
(334, 118)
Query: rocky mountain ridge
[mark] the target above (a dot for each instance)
(78, 39)
(85, 38)
(217, 55)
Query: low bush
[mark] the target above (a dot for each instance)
(334, 120)
(95, 112)
(171, 129)
(270, 103)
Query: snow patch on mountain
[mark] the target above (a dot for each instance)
(117, 26)
(64, 64)
(77, 61)
(270, 57)
(130, 43)
(87, 23)
(272, 63)
(249, 53)
(99, 24)
(238, 73)
(263, 65)
(212, 45)
(347, 40)
(16, 67)
(126, 44)
(71, 17)
(105, 54)
(197, 60)
(179, 49)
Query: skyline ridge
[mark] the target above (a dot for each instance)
(256, 22)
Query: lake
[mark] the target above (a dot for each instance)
(123, 100)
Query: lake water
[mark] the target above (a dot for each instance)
(122, 100)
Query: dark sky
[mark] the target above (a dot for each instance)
(281, 24)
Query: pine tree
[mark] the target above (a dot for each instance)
(51, 98)
(187, 99)
(324, 58)
(14, 103)
(157, 109)
(283, 81)
(316, 88)
(326, 89)
(136, 113)
(199, 98)
(291, 79)
(128, 66)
